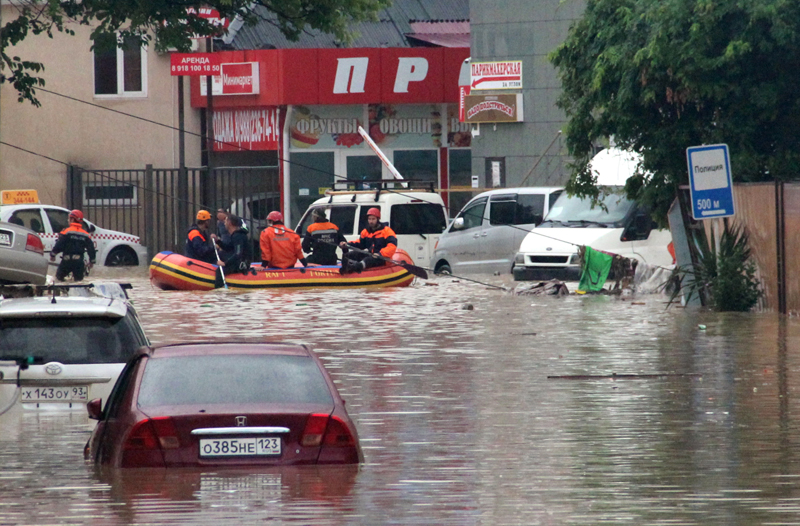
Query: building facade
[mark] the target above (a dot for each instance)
(530, 152)
(99, 110)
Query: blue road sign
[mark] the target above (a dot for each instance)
(710, 183)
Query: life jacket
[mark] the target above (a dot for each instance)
(73, 241)
(382, 240)
(198, 247)
(280, 246)
(322, 240)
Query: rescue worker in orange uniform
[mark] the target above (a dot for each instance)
(198, 239)
(377, 239)
(73, 242)
(321, 239)
(280, 246)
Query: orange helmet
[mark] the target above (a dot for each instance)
(203, 215)
(77, 214)
(275, 216)
(374, 211)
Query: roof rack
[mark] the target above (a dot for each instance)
(109, 290)
(352, 186)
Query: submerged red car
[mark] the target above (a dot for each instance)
(220, 405)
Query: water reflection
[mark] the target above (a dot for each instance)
(458, 420)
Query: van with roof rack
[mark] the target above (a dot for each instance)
(413, 209)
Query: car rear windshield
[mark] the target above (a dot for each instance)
(71, 340)
(419, 218)
(232, 379)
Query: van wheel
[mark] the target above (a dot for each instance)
(444, 269)
(122, 257)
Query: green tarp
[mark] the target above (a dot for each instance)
(594, 273)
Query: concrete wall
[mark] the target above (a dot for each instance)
(89, 136)
(526, 30)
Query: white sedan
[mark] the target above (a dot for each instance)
(114, 249)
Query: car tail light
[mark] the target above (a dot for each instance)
(153, 433)
(314, 431)
(34, 244)
(327, 431)
(338, 434)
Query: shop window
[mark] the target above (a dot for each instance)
(120, 70)
(311, 173)
(364, 168)
(419, 165)
(110, 194)
(460, 162)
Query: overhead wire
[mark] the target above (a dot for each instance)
(242, 148)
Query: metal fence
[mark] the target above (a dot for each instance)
(159, 205)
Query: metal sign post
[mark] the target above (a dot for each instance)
(710, 182)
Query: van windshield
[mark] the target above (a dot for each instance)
(576, 212)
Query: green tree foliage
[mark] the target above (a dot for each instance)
(165, 20)
(662, 75)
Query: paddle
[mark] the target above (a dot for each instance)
(413, 269)
(222, 272)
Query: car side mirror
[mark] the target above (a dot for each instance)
(94, 407)
(90, 227)
(458, 223)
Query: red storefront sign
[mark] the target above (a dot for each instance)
(234, 79)
(240, 79)
(194, 64)
(348, 76)
(246, 129)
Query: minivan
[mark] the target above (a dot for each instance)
(412, 209)
(486, 234)
(619, 226)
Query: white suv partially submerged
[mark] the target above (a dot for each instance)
(413, 210)
(60, 349)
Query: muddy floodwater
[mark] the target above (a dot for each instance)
(522, 410)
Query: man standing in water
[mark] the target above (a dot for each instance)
(73, 242)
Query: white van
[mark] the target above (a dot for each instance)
(413, 210)
(550, 251)
(486, 234)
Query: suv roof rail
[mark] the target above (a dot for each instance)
(109, 290)
(353, 186)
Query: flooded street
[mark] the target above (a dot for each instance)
(458, 419)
